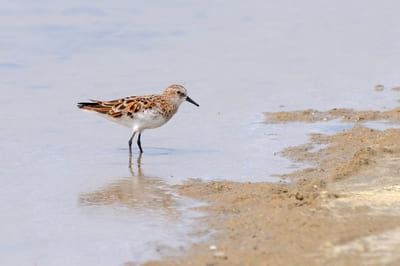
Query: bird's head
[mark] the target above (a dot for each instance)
(178, 94)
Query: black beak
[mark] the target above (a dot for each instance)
(191, 101)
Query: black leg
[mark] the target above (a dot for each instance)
(130, 143)
(139, 143)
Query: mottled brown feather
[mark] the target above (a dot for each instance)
(130, 105)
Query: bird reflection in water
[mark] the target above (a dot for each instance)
(137, 191)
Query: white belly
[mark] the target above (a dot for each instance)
(140, 121)
(147, 120)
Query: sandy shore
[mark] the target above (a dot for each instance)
(344, 210)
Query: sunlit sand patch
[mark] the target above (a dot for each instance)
(346, 115)
(376, 249)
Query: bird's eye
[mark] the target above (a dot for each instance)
(178, 92)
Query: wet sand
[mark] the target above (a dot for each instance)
(346, 115)
(343, 210)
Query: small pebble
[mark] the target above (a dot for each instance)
(220, 255)
(213, 247)
(299, 196)
(324, 194)
(328, 244)
(360, 247)
(379, 87)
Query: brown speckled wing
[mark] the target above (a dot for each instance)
(103, 107)
(124, 106)
(129, 106)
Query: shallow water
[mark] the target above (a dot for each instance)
(68, 195)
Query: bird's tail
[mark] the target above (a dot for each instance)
(94, 105)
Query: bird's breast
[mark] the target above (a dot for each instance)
(149, 119)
